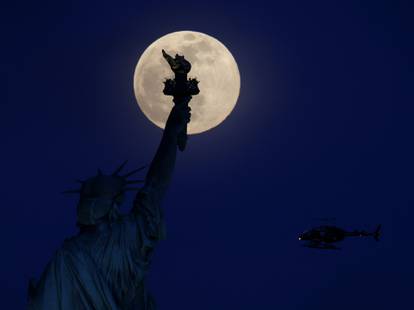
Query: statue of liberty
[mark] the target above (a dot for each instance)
(104, 266)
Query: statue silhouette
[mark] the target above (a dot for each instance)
(105, 265)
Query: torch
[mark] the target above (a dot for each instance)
(180, 87)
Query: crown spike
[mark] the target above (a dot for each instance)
(118, 170)
(134, 171)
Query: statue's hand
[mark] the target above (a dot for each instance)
(179, 117)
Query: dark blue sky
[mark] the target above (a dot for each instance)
(323, 128)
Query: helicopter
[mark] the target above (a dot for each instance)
(326, 236)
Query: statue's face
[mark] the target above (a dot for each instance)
(119, 199)
(99, 195)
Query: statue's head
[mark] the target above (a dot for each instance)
(101, 195)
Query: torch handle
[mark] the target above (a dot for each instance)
(182, 136)
(182, 139)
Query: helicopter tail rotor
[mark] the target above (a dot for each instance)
(377, 233)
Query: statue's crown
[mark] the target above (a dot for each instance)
(99, 194)
(106, 186)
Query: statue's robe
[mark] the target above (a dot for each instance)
(105, 267)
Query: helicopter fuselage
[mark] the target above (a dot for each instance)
(324, 237)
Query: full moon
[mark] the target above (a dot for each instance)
(211, 63)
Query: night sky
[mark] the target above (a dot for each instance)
(323, 128)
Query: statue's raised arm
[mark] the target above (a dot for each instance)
(162, 166)
(147, 204)
(175, 132)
